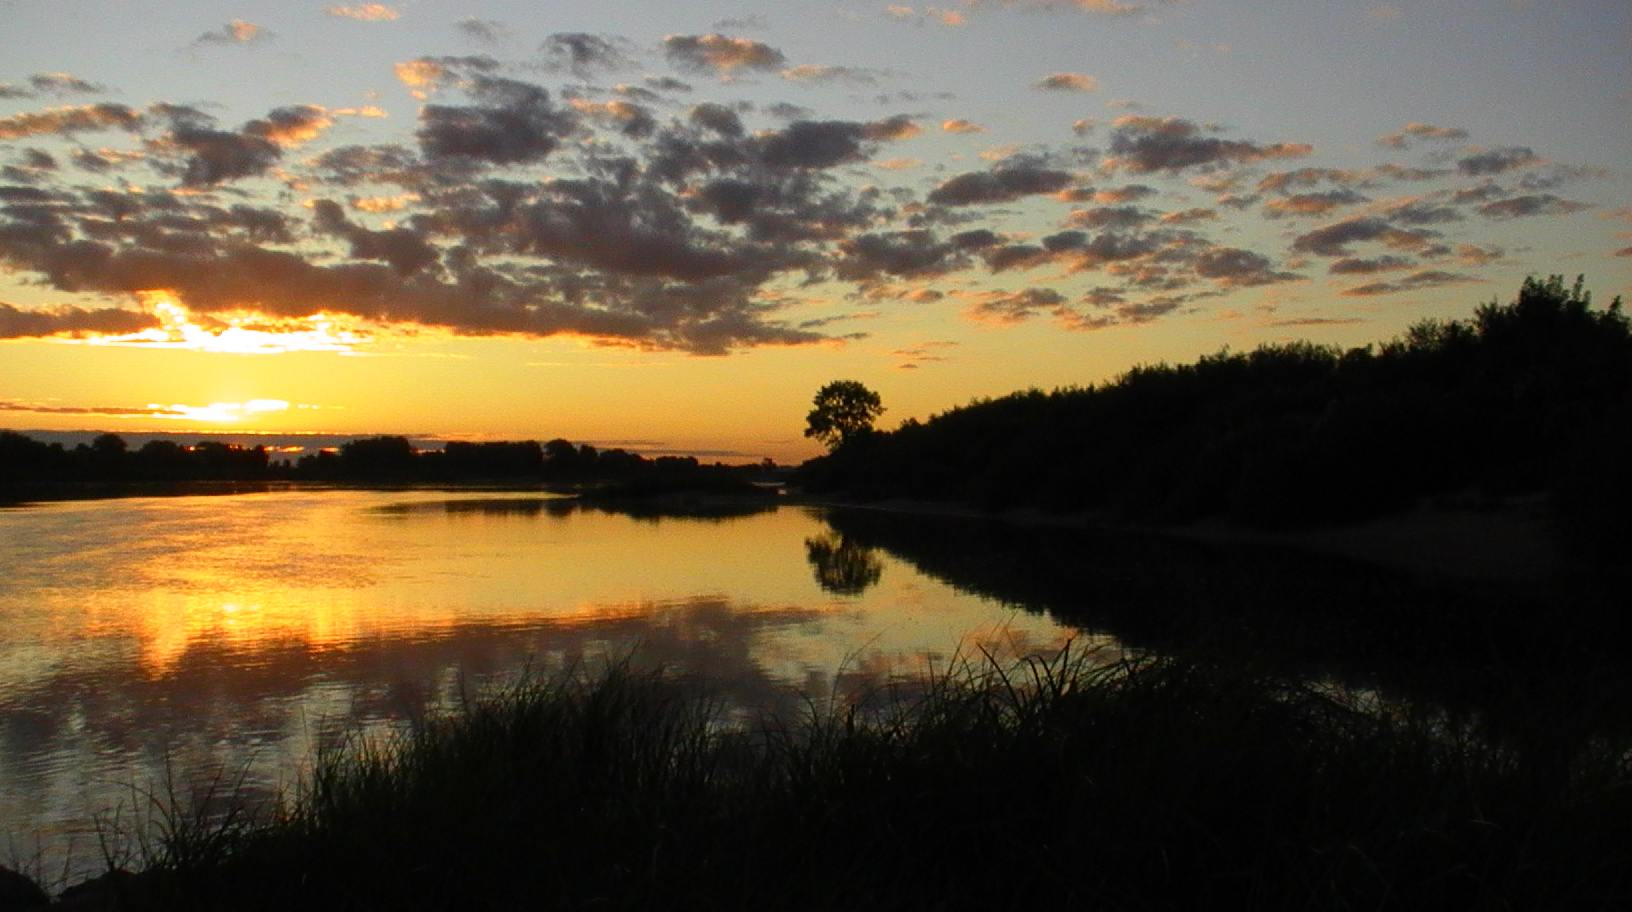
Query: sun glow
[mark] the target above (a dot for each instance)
(217, 411)
(243, 335)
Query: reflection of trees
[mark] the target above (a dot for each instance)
(842, 566)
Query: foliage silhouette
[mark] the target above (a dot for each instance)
(844, 411)
(1526, 398)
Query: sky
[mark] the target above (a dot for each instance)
(664, 226)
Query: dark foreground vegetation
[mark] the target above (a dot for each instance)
(1059, 784)
(1531, 397)
(34, 470)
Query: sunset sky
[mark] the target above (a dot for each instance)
(663, 226)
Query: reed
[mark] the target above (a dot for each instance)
(1148, 784)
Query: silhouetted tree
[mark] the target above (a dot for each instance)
(845, 410)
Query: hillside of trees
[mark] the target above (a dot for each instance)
(30, 468)
(1531, 397)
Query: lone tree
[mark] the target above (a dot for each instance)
(844, 411)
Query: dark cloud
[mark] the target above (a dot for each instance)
(405, 251)
(1496, 161)
(721, 54)
(68, 121)
(512, 123)
(1416, 281)
(58, 85)
(1109, 217)
(486, 31)
(1067, 82)
(1312, 204)
(210, 156)
(717, 118)
(1534, 204)
(70, 321)
(1371, 266)
(1420, 212)
(1333, 240)
(1017, 306)
(1234, 267)
(235, 32)
(1414, 131)
(1147, 144)
(1001, 185)
(584, 53)
(1189, 216)
(826, 143)
(630, 215)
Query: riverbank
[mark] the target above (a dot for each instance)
(1482, 545)
(1065, 783)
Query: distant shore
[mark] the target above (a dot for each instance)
(1484, 545)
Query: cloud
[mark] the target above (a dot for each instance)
(1236, 268)
(721, 54)
(486, 31)
(1015, 306)
(1104, 7)
(1189, 216)
(583, 52)
(1359, 266)
(1147, 144)
(68, 121)
(1333, 240)
(58, 85)
(1415, 131)
(368, 12)
(999, 186)
(1067, 82)
(1534, 204)
(1309, 204)
(961, 126)
(1413, 282)
(1496, 161)
(512, 123)
(70, 321)
(824, 75)
(235, 32)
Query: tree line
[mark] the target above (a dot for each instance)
(392, 459)
(1531, 397)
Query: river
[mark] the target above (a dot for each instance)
(156, 646)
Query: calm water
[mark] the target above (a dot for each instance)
(178, 640)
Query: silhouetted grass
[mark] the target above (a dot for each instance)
(1057, 784)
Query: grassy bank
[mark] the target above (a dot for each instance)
(1156, 785)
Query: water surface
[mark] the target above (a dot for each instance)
(154, 643)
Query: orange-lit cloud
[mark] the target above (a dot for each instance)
(235, 32)
(177, 330)
(1068, 82)
(368, 12)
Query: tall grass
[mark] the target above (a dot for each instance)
(1048, 784)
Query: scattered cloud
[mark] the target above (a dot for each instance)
(657, 214)
(721, 54)
(368, 12)
(1415, 131)
(1416, 281)
(1143, 145)
(485, 31)
(1067, 82)
(235, 32)
(1529, 205)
